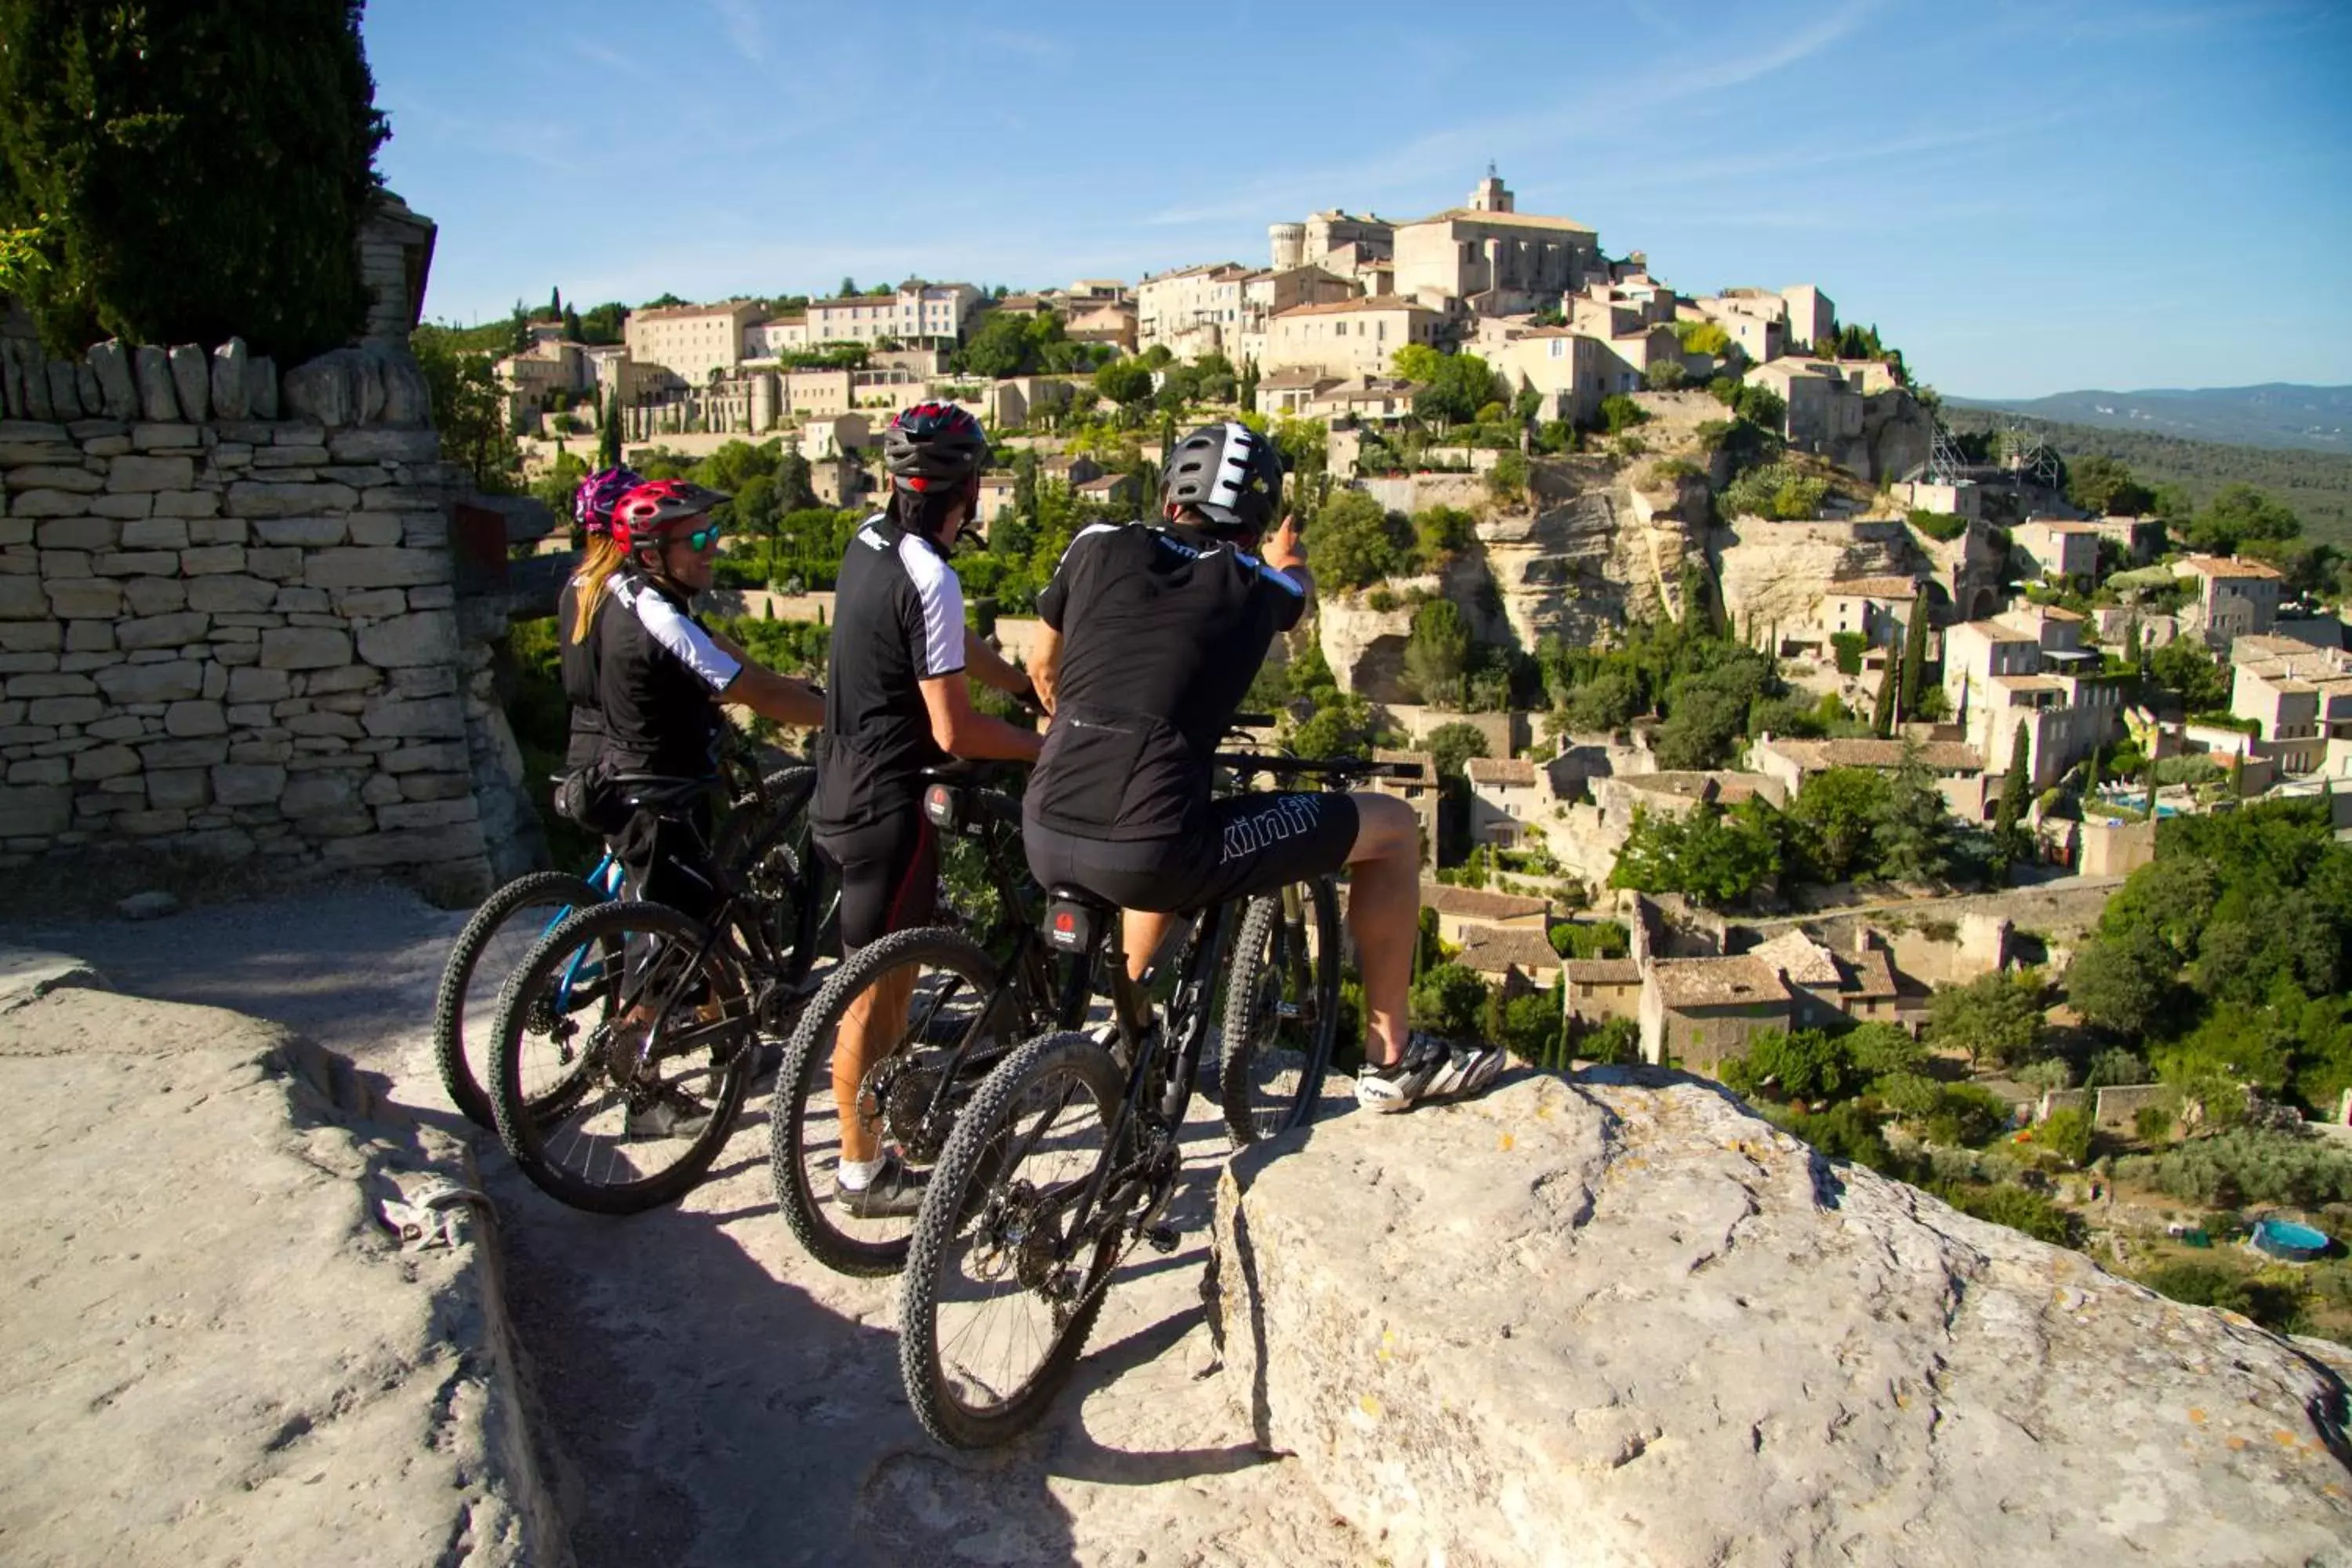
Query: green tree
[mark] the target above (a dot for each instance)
(2182, 666)
(1620, 413)
(2016, 794)
(1913, 832)
(1354, 543)
(2067, 1134)
(1437, 651)
(1711, 857)
(1880, 1050)
(1443, 530)
(1802, 1064)
(1700, 337)
(608, 431)
(1996, 1017)
(1125, 382)
(1914, 690)
(2105, 488)
(1882, 711)
(194, 171)
(1453, 745)
(1836, 815)
(1606, 701)
(469, 410)
(796, 491)
(1450, 1001)
(2238, 516)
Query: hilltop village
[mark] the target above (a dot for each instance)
(1748, 703)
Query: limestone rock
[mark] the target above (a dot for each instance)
(426, 637)
(12, 404)
(322, 390)
(261, 379)
(157, 399)
(92, 396)
(230, 397)
(1624, 1321)
(111, 363)
(65, 390)
(191, 378)
(407, 400)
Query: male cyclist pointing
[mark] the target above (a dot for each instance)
(1153, 636)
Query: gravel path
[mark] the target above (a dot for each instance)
(710, 1395)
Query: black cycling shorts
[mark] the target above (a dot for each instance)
(1256, 843)
(889, 877)
(667, 859)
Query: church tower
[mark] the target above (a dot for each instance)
(1492, 195)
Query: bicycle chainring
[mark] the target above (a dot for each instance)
(905, 1090)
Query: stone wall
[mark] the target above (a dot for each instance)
(234, 629)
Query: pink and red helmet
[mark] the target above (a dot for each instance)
(592, 503)
(650, 512)
(935, 446)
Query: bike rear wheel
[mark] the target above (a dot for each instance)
(589, 1117)
(493, 945)
(1282, 1013)
(953, 998)
(1000, 1292)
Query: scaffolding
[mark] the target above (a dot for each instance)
(2028, 458)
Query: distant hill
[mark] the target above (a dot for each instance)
(2313, 418)
(2316, 485)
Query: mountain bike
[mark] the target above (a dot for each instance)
(512, 922)
(967, 1000)
(625, 1043)
(1065, 1158)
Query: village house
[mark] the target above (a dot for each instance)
(2028, 665)
(1826, 987)
(2299, 695)
(1600, 989)
(1462, 910)
(1876, 609)
(1420, 789)
(1190, 311)
(1112, 321)
(1284, 394)
(2235, 598)
(996, 497)
(1361, 400)
(776, 335)
(1698, 1013)
(1969, 791)
(1756, 321)
(1349, 337)
(1959, 497)
(828, 435)
(2065, 553)
(1507, 796)
(812, 393)
(1069, 469)
(1108, 490)
(1336, 241)
(1824, 404)
(1516, 960)
(1811, 318)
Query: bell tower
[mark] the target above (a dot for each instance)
(1492, 195)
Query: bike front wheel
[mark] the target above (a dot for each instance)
(1282, 1013)
(937, 995)
(486, 954)
(1009, 1261)
(622, 1050)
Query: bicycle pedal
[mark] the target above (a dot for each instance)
(1162, 1237)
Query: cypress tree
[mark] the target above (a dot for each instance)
(195, 170)
(1915, 657)
(1882, 712)
(2016, 785)
(608, 432)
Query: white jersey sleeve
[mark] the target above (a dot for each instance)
(939, 601)
(686, 641)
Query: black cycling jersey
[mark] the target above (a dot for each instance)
(658, 678)
(897, 620)
(1163, 629)
(579, 667)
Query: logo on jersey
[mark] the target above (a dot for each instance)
(1288, 817)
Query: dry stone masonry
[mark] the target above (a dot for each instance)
(229, 617)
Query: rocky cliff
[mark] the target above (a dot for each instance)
(1622, 1321)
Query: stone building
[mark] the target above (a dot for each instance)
(1349, 337)
(1190, 311)
(1827, 987)
(1461, 910)
(1491, 257)
(914, 312)
(1600, 989)
(2028, 665)
(2300, 696)
(1969, 791)
(1507, 797)
(1517, 961)
(2065, 553)
(2235, 598)
(1698, 1013)
(691, 342)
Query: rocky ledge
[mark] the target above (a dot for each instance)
(1620, 1320)
(216, 1350)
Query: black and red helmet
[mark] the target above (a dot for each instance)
(649, 514)
(935, 446)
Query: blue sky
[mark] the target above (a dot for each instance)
(2026, 195)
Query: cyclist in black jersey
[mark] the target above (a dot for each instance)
(1153, 633)
(661, 676)
(895, 702)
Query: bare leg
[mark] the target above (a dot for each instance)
(870, 1025)
(1142, 931)
(1384, 917)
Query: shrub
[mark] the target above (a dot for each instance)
(1849, 647)
(1620, 413)
(2067, 1134)
(2152, 1123)
(2016, 1208)
(2275, 1303)
(1665, 375)
(1940, 526)
(1450, 1001)
(1508, 480)
(1966, 1115)
(1802, 1064)
(1842, 1132)
(1595, 939)
(1615, 1041)
(2243, 1166)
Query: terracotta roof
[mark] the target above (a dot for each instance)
(2221, 566)
(673, 312)
(1499, 771)
(1508, 220)
(1490, 950)
(1477, 903)
(1811, 756)
(1873, 974)
(2027, 683)
(1717, 981)
(1996, 632)
(1218, 269)
(1348, 307)
(1283, 380)
(1723, 788)
(1799, 957)
(1107, 483)
(2052, 527)
(1603, 971)
(1875, 587)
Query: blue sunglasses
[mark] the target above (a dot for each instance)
(702, 538)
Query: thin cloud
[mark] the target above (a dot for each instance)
(744, 27)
